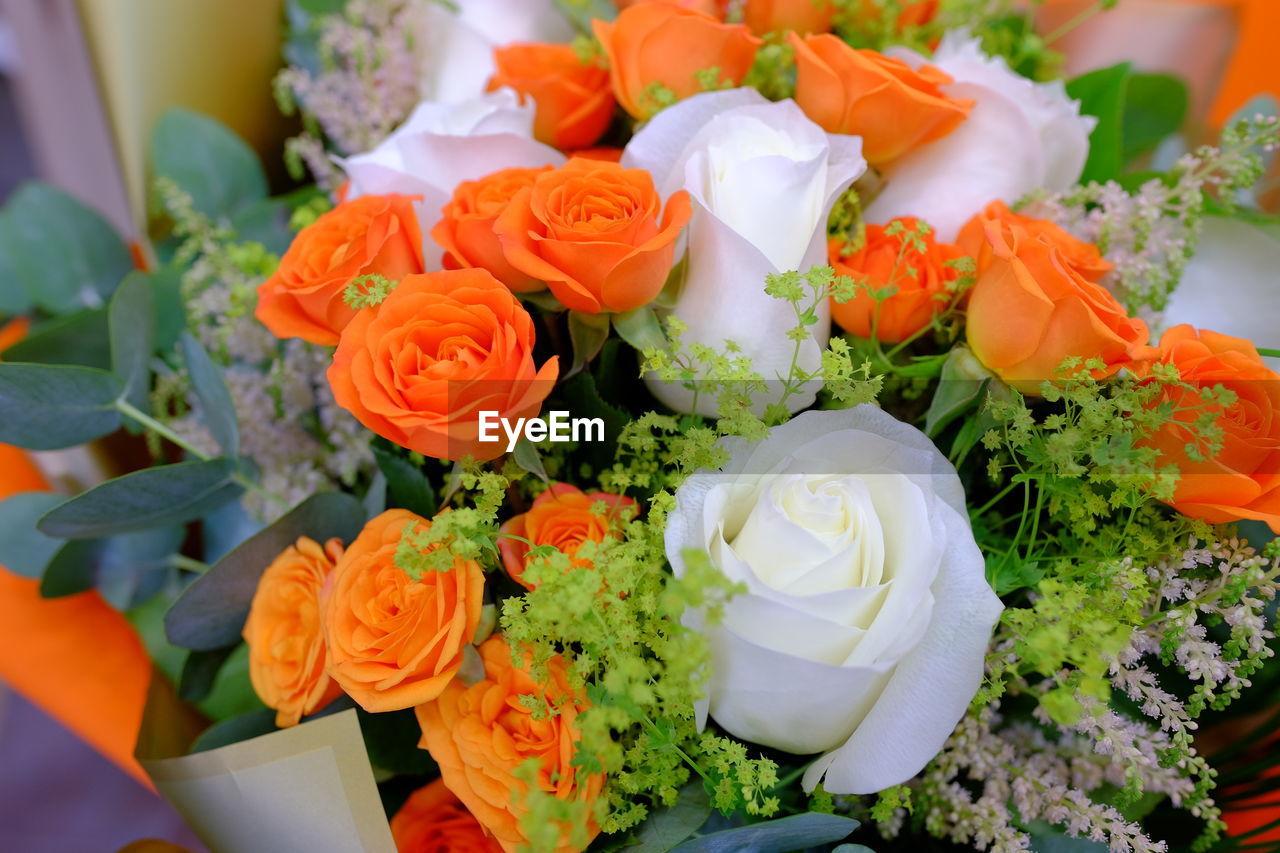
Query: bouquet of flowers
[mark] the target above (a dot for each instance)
(686, 425)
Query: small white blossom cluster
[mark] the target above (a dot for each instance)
(369, 76)
(1150, 234)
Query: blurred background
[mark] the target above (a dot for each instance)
(82, 83)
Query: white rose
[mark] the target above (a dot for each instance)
(865, 626)
(762, 178)
(1021, 136)
(1247, 257)
(441, 145)
(458, 41)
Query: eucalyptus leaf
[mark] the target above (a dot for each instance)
(171, 313)
(217, 409)
(14, 298)
(132, 567)
(74, 569)
(260, 721)
(79, 339)
(774, 836)
(205, 159)
(199, 671)
(24, 550)
(210, 613)
(64, 254)
(408, 487)
(132, 322)
(853, 848)
(153, 497)
(665, 829)
(391, 739)
(49, 407)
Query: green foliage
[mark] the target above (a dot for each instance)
(207, 161)
(1102, 94)
(217, 409)
(367, 291)
(49, 407)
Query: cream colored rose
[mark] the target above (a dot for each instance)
(865, 625)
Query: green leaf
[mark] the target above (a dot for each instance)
(210, 613)
(74, 569)
(641, 329)
(232, 693)
(23, 549)
(203, 157)
(774, 836)
(587, 332)
(217, 411)
(49, 407)
(260, 721)
(171, 313)
(64, 254)
(1155, 106)
(153, 497)
(527, 457)
(1102, 94)
(958, 390)
(666, 828)
(133, 567)
(14, 298)
(132, 321)
(391, 739)
(581, 396)
(581, 12)
(409, 488)
(199, 672)
(78, 339)
(853, 848)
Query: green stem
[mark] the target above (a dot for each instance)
(192, 565)
(1268, 352)
(128, 410)
(1075, 21)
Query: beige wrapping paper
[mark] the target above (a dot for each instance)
(305, 789)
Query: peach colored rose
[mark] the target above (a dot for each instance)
(574, 100)
(481, 734)
(284, 631)
(665, 47)
(465, 230)
(443, 347)
(893, 107)
(433, 820)
(1242, 480)
(1030, 311)
(395, 642)
(777, 16)
(562, 517)
(889, 258)
(372, 235)
(596, 233)
(1083, 257)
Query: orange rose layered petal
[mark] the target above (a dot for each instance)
(443, 347)
(395, 642)
(434, 820)
(574, 99)
(893, 107)
(372, 235)
(562, 517)
(1082, 257)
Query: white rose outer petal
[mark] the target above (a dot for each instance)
(877, 676)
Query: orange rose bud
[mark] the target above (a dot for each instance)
(563, 516)
(444, 347)
(465, 230)
(1083, 257)
(373, 235)
(893, 107)
(888, 258)
(574, 100)
(482, 734)
(287, 656)
(1030, 311)
(433, 820)
(596, 233)
(1242, 481)
(395, 642)
(664, 47)
(777, 16)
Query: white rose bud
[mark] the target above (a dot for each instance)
(864, 629)
(763, 179)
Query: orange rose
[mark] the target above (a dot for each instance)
(420, 368)
(666, 48)
(606, 153)
(465, 230)
(395, 642)
(715, 8)
(1082, 257)
(480, 735)
(433, 820)
(595, 233)
(287, 657)
(13, 332)
(913, 13)
(373, 235)
(893, 107)
(888, 257)
(574, 100)
(1243, 479)
(562, 517)
(776, 16)
(1029, 311)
